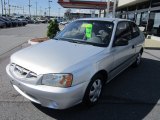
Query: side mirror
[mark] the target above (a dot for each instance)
(121, 42)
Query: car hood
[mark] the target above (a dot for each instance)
(53, 56)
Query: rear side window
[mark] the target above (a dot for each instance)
(123, 31)
(135, 30)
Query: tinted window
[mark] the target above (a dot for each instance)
(123, 31)
(131, 16)
(134, 29)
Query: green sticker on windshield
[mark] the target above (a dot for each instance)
(88, 30)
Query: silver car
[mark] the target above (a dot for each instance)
(73, 67)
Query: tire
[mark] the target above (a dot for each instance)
(93, 91)
(138, 60)
(5, 26)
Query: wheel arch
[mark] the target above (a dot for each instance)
(141, 51)
(104, 74)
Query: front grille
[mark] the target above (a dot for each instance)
(21, 72)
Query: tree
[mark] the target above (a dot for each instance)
(68, 14)
(53, 28)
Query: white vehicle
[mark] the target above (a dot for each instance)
(73, 67)
(63, 23)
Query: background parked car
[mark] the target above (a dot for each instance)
(17, 21)
(24, 21)
(2, 24)
(63, 23)
(40, 20)
(8, 23)
(30, 21)
(14, 23)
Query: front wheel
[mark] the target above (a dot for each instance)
(93, 90)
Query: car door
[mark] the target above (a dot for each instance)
(122, 53)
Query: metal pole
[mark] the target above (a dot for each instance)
(59, 11)
(29, 8)
(45, 11)
(149, 12)
(114, 8)
(2, 6)
(36, 8)
(49, 6)
(100, 13)
(23, 10)
(107, 10)
(8, 8)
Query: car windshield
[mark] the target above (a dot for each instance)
(91, 32)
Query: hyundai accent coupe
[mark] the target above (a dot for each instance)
(74, 66)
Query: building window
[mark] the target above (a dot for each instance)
(124, 16)
(144, 19)
(138, 19)
(154, 23)
(131, 16)
(155, 3)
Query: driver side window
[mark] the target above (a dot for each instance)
(123, 32)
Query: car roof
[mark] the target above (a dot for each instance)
(105, 19)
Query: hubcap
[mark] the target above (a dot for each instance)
(95, 90)
(139, 58)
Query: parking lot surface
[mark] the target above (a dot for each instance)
(12, 37)
(133, 95)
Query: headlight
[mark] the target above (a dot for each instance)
(57, 80)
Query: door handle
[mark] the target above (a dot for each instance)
(133, 46)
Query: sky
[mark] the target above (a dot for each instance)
(42, 6)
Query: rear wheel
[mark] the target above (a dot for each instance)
(93, 90)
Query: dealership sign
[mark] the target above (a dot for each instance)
(84, 4)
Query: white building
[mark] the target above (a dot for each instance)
(145, 13)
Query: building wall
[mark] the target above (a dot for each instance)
(122, 3)
(145, 14)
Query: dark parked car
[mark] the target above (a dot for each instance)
(14, 23)
(17, 21)
(30, 21)
(2, 24)
(24, 21)
(8, 23)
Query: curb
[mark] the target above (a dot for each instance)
(31, 42)
(152, 44)
(152, 48)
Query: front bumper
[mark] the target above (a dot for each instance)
(48, 96)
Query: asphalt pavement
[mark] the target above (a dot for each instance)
(12, 37)
(133, 95)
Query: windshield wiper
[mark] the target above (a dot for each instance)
(73, 41)
(60, 38)
(76, 41)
